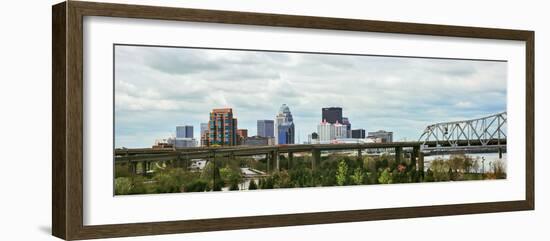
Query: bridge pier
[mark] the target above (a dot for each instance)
(398, 152)
(360, 157)
(132, 167)
(499, 153)
(267, 158)
(290, 159)
(144, 168)
(276, 160)
(421, 165)
(414, 155)
(186, 166)
(177, 162)
(316, 158)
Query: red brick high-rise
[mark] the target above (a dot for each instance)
(222, 128)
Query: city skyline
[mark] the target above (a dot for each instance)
(179, 86)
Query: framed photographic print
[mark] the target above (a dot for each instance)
(172, 120)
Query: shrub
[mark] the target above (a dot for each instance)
(283, 180)
(121, 170)
(498, 170)
(234, 187)
(166, 183)
(196, 186)
(429, 177)
(399, 174)
(123, 186)
(252, 185)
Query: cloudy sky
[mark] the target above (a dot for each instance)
(157, 88)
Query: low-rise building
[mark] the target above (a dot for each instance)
(385, 136)
(258, 141)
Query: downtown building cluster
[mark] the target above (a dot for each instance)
(222, 130)
(336, 128)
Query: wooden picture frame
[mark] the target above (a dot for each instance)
(67, 124)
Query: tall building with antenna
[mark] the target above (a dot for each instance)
(284, 126)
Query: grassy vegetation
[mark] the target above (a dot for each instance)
(333, 170)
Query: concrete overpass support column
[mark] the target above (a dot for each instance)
(360, 157)
(177, 162)
(316, 154)
(414, 155)
(290, 159)
(186, 164)
(144, 168)
(276, 160)
(132, 167)
(421, 164)
(267, 158)
(398, 153)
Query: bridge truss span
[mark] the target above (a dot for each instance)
(484, 131)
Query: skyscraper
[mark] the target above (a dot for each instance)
(185, 131)
(222, 128)
(332, 114)
(204, 128)
(340, 131)
(265, 128)
(326, 131)
(284, 126)
(184, 137)
(345, 121)
(358, 134)
(204, 134)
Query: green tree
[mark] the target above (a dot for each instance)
(413, 175)
(399, 174)
(268, 183)
(252, 185)
(283, 180)
(138, 185)
(456, 162)
(341, 173)
(231, 175)
(358, 176)
(211, 173)
(452, 175)
(468, 164)
(476, 165)
(300, 177)
(385, 177)
(440, 169)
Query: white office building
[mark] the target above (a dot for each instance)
(340, 131)
(326, 131)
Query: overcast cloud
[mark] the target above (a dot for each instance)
(159, 88)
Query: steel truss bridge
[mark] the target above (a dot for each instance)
(485, 133)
